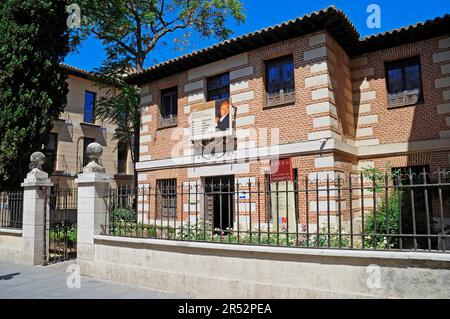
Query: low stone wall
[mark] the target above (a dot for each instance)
(11, 245)
(231, 271)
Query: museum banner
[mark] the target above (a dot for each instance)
(211, 119)
(282, 193)
(281, 170)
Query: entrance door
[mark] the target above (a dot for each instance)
(220, 201)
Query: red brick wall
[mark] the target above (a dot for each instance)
(408, 123)
(293, 122)
(383, 125)
(401, 124)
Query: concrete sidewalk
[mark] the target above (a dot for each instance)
(42, 282)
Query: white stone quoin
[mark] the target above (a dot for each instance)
(35, 188)
(93, 185)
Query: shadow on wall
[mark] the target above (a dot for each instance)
(97, 133)
(65, 131)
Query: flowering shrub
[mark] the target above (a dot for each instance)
(202, 231)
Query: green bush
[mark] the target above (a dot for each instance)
(202, 231)
(385, 222)
(127, 229)
(123, 215)
(323, 240)
(62, 232)
(72, 235)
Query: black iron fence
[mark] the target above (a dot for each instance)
(61, 225)
(379, 211)
(11, 209)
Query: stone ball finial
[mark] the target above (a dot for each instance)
(37, 159)
(94, 151)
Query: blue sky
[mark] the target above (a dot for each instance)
(263, 13)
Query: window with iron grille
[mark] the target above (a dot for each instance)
(218, 87)
(166, 197)
(404, 83)
(280, 84)
(168, 109)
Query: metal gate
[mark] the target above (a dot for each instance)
(61, 225)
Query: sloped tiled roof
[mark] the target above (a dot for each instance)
(76, 71)
(412, 33)
(331, 19)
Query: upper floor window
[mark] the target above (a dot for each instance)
(404, 83)
(50, 153)
(169, 107)
(218, 87)
(89, 107)
(280, 84)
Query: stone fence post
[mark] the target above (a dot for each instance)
(34, 236)
(93, 187)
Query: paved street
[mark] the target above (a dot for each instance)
(18, 281)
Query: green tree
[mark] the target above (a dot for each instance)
(33, 41)
(119, 106)
(130, 30)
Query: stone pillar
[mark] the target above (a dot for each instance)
(35, 186)
(93, 186)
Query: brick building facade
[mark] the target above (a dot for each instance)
(345, 104)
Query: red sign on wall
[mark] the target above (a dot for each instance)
(281, 170)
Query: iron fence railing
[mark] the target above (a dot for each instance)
(63, 198)
(11, 209)
(61, 224)
(385, 212)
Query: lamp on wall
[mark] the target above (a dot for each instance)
(323, 142)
